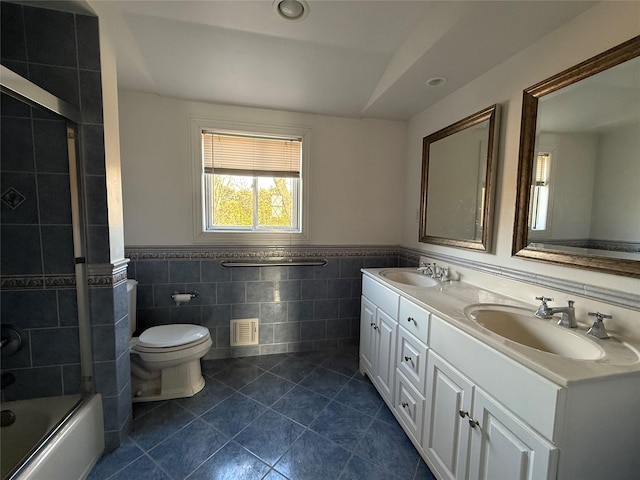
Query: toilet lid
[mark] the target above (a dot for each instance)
(171, 335)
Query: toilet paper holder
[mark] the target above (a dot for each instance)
(181, 298)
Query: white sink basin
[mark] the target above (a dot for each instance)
(409, 277)
(519, 325)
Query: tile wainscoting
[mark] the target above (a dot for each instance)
(298, 307)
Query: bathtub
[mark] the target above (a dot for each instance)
(38, 446)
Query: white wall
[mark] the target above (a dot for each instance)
(573, 176)
(617, 186)
(605, 25)
(357, 171)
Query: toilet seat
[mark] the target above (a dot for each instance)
(169, 336)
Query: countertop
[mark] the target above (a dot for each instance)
(448, 301)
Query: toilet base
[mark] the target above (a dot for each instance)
(175, 382)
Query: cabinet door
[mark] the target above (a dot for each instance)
(504, 447)
(386, 355)
(368, 335)
(446, 431)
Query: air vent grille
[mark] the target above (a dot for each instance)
(244, 332)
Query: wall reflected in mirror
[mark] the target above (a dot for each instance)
(458, 173)
(580, 165)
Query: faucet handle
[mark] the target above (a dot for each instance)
(597, 329)
(544, 299)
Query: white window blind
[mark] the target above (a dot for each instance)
(230, 154)
(543, 163)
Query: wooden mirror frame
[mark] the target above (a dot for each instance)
(520, 247)
(491, 114)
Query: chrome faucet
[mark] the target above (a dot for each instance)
(568, 317)
(568, 313)
(597, 329)
(427, 268)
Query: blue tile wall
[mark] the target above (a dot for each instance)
(298, 307)
(58, 51)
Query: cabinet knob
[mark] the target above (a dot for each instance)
(473, 423)
(463, 413)
(375, 327)
(411, 319)
(407, 359)
(405, 404)
(373, 324)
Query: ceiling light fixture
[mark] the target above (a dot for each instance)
(436, 81)
(291, 10)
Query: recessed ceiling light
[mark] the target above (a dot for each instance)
(291, 10)
(436, 81)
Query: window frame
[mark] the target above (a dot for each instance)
(247, 237)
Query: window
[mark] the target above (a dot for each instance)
(540, 192)
(251, 184)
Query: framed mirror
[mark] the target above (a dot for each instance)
(458, 176)
(578, 197)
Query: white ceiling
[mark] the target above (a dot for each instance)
(363, 58)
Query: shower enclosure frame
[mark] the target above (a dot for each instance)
(20, 88)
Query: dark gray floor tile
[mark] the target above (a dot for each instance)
(232, 462)
(140, 409)
(423, 472)
(342, 425)
(325, 382)
(385, 415)
(186, 450)
(141, 469)
(360, 469)
(114, 461)
(344, 364)
(212, 394)
(160, 423)
(267, 388)
(233, 414)
(313, 457)
(293, 369)
(274, 475)
(301, 404)
(388, 447)
(315, 357)
(238, 375)
(266, 361)
(269, 436)
(360, 396)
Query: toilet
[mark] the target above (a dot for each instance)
(165, 360)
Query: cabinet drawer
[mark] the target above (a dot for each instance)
(409, 406)
(384, 298)
(412, 359)
(415, 319)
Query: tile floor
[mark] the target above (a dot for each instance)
(288, 416)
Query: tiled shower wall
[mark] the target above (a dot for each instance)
(36, 243)
(60, 52)
(298, 307)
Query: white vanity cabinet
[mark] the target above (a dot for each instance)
(378, 327)
(468, 430)
(475, 411)
(469, 434)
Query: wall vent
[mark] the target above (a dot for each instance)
(244, 332)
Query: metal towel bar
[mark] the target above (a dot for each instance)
(278, 262)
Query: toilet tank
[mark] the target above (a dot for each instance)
(132, 288)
